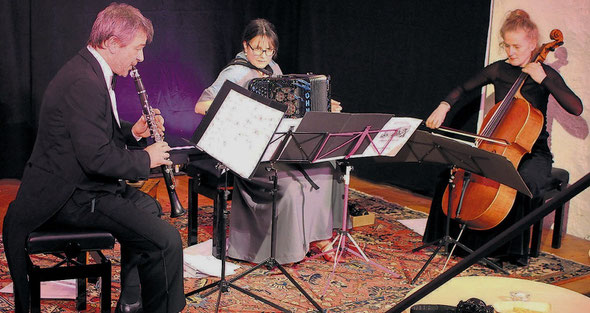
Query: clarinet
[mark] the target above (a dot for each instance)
(176, 208)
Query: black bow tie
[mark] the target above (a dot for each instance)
(113, 81)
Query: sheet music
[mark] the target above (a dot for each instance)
(240, 132)
(284, 126)
(387, 140)
(394, 135)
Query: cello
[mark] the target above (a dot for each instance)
(481, 203)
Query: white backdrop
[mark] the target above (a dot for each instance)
(569, 141)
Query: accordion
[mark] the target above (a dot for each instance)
(299, 92)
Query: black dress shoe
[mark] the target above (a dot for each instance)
(123, 307)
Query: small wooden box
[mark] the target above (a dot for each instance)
(363, 220)
(151, 187)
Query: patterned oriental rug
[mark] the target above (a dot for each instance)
(355, 287)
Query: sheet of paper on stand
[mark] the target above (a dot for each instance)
(284, 126)
(198, 262)
(239, 131)
(326, 136)
(393, 136)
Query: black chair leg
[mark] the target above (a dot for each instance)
(218, 210)
(536, 239)
(105, 288)
(35, 287)
(558, 227)
(81, 285)
(193, 210)
(96, 256)
(81, 294)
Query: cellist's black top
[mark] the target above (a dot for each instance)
(503, 75)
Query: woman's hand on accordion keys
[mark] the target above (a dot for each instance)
(141, 127)
(335, 106)
(158, 154)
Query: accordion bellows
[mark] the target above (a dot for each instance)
(299, 92)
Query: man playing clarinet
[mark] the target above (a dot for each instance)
(77, 170)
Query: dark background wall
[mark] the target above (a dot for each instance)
(397, 57)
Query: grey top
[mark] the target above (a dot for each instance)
(238, 74)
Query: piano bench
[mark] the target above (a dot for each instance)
(71, 247)
(558, 181)
(205, 179)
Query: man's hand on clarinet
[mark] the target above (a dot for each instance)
(141, 128)
(158, 154)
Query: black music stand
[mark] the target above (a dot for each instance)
(427, 147)
(348, 136)
(266, 111)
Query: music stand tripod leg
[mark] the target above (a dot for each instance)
(426, 245)
(455, 242)
(447, 239)
(271, 262)
(344, 234)
(439, 245)
(222, 285)
(486, 260)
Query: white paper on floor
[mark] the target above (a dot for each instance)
(59, 289)
(418, 225)
(199, 262)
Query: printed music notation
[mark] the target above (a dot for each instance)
(240, 132)
(392, 137)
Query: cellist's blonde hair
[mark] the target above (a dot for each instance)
(519, 19)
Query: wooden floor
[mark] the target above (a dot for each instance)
(572, 248)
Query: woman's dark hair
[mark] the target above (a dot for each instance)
(262, 27)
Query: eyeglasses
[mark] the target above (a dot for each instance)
(258, 51)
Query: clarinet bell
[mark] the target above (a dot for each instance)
(176, 209)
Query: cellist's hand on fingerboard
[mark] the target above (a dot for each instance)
(535, 71)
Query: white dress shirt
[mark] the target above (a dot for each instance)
(108, 77)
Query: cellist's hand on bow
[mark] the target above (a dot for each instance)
(437, 117)
(536, 71)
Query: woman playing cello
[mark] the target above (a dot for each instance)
(520, 40)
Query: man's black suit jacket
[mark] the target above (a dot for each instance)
(79, 146)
